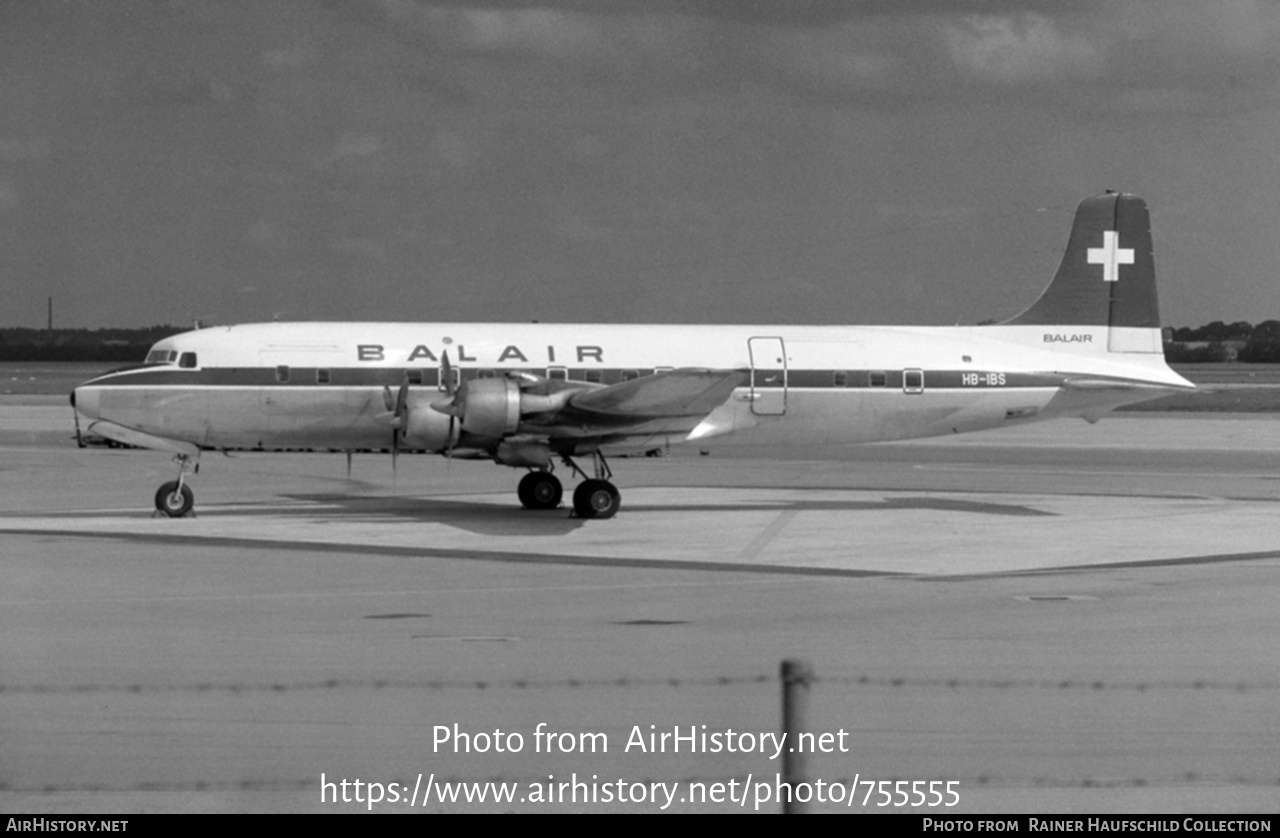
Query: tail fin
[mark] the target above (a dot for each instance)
(1107, 276)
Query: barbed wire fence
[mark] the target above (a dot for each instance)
(796, 679)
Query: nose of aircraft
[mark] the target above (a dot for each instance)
(85, 401)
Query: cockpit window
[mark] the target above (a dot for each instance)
(162, 356)
(187, 360)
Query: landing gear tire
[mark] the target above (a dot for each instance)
(540, 490)
(174, 500)
(596, 499)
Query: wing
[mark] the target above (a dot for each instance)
(667, 402)
(677, 393)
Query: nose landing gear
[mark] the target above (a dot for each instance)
(175, 498)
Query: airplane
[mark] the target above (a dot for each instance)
(528, 394)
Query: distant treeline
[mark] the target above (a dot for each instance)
(113, 345)
(1220, 341)
(1211, 343)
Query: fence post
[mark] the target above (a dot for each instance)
(796, 677)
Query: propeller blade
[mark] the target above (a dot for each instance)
(399, 423)
(446, 369)
(525, 379)
(402, 407)
(451, 406)
(447, 406)
(395, 451)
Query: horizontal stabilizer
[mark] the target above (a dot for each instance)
(1116, 384)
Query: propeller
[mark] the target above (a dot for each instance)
(398, 407)
(492, 407)
(450, 385)
(451, 407)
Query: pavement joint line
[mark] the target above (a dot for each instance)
(459, 554)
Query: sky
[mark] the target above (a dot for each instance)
(684, 161)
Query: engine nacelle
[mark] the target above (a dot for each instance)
(426, 428)
(490, 407)
(524, 456)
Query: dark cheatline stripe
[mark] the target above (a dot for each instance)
(429, 377)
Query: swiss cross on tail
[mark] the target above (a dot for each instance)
(1111, 256)
(1114, 231)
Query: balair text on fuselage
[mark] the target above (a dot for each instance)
(373, 352)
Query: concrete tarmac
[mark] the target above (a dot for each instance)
(1053, 618)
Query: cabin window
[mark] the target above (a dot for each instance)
(413, 376)
(557, 373)
(877, 378)
(630, 375)
(840, 378)
(913, 381)
(282, 375)
(595, 376)
(187, 360)
(322, 376)
(486, 374)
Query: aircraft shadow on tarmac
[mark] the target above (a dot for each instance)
(501, 519)
(829, 505)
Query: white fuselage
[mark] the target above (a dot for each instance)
(325, 385)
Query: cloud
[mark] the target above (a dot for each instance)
(495, 28)
(353, 145)
(1247, 29)
(849, 58)
(1018, 49)
(13, 149)
(547, 32)
(291, 57)
(8, 197)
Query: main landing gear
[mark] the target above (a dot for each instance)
(595, 497)
(175, 498)
(540, 490)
